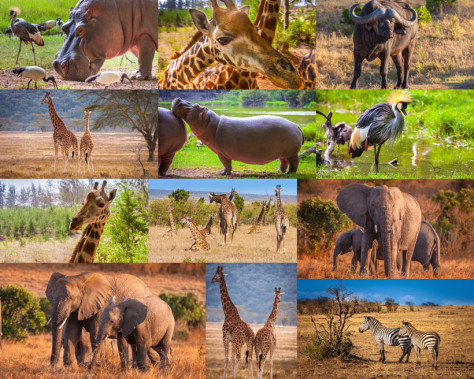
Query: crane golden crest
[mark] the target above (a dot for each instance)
(399, 97)
(16, 10)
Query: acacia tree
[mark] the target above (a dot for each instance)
(136, 109)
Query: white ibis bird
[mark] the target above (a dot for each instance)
(108, 78)
(34, 73)
(378, 124)
(59, 25)
(26, 32)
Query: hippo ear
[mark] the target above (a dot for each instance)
(200, 20)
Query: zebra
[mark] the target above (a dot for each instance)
(387, 336)
(422, 340)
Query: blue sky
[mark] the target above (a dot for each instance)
(440, 291)
(250, 186)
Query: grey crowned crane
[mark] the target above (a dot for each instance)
(378, 124)
(26, 32)
(34, 73)
(108, 78)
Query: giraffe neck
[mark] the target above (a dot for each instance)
(267, 19)
(87, 124)
(279, 200)
(209, 225)
(172, 223)
(273, 315)
(228, 306)
(197, 235)
(260, 216)
(56, 121)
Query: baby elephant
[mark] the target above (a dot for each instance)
(145, 323)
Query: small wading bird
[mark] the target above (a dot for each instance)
(34, 73)
(25, 31)
(59, 25)
(108, 78)
(378, 124)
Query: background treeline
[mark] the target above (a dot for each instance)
(281, 98)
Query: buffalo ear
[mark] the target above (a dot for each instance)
(352, 200)
(97, 292)
(133, 314)
(55, 276)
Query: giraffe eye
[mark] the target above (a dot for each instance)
(224, 40)
(101, 205)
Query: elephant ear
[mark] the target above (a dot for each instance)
(352, 200)
(96, 293)
(55, 276)
(134, 313)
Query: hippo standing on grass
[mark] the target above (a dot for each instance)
(251, 140)
(171, 138)
(103, 29)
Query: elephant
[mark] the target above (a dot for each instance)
(77, 303)
(426, 249)
(146, 323)
(388, 215)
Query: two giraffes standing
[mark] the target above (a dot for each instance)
(65, 139)
(240, 333)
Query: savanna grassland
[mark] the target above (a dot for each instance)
(259, 247)
(442, 58)
(452, 323)
(115, 155)
(446, 204)
(284, 359)
(30, 358)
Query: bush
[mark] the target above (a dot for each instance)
(424, 15)
(21, 313)
(346, 18)
(320, 347)
(186, 308)
(437, 6)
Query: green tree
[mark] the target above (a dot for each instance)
(186, 308)
(179, 195)
(21, 312)
(239, 202)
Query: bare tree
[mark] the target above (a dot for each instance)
(286, 14)
(136, 109)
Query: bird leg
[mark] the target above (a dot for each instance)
(377, 152)
(35, 85)
(18, 55)
(34, 55)
(28, 86)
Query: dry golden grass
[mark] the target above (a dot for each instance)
(31, 155)
(30, 359)
(53, 251)
(442, 59)
(245, 247)
(314, 268)
(284, 359)
(453, 324)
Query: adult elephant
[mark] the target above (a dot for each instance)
(78, 301)
(395, 215)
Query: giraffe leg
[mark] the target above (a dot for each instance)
(55, 155)
(65, 157)
(272, 350)
(236, 353)
(226, 352)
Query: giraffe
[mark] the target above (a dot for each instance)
(307, 70)
(200, 242)
(226, 216)
(257, 226)
(227, 77)
(86, 146)
(62, 136)
(265, 339)
(93, 213)
(234, 329)
(281, 221)
(231, 39)
(172, 232)
(207, 229)
(235, 214)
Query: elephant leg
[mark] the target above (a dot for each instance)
(123, 349)
(71, 337)
(84, 349)
(164, 348)
(367, 241)
(435, 259)
(355, 260)
(154, 355)
(142, 352)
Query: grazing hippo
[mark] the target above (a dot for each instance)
(251, 140)
(171, 138)
(103, 29)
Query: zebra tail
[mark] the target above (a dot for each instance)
(73, 154)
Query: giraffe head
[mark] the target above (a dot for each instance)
(97, 201)
(278, 294)
(185, 219)
(216, 198)
(234, 41)
(219, 276)
(46, 98)
(278, 190)
(169, 209)
(87, 113)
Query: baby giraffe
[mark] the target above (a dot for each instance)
(87, 144)
(265, 339)
(200, 242)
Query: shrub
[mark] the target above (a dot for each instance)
(186, 308)
(424, 15)
(320, 347)
(437, 6)
(346, 18)
(21, 312)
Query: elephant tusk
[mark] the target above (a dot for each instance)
(376, 229)
(62, 324)
(49, 321)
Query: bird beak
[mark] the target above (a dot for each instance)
(404, 112)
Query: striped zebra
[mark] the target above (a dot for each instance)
(422, 340)
(387, 336)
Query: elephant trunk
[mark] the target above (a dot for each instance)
(99, 342)
(336, 252)
(59, 317)
(389, 252)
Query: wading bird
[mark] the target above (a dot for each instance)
(34, 73)
(108, 78)
(378, 124)
(59, 25)
(25, 31)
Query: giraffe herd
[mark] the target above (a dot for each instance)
(227, 218)
(239, 333)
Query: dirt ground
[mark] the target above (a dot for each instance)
(245, 248)
(31, 155)
(284, 359)
(455, 360)
(209, 173)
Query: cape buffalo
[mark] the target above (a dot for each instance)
(384, 29)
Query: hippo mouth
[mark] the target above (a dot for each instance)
(70, 69)
(180, 107)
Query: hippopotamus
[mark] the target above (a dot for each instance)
(171, 138)
(252, 140)
(103, 29)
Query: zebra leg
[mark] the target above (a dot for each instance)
(382, 352)
(418, 356)
(435, 360)
(408, 353)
